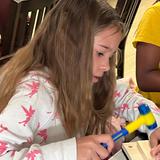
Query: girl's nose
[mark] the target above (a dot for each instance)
(105, 67)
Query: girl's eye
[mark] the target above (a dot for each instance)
(100, 54)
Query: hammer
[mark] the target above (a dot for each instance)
(146, 118)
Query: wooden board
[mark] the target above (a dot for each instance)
(139, 150)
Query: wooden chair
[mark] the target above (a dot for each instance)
(127, 10)
(4, 16)
(6, 58)
(23, 21)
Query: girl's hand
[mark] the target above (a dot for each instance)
(155, 152)
(89, 147)
(154, 140)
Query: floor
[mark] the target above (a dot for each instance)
(129, 63)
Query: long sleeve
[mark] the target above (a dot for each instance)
(127, 101)
(30, 128)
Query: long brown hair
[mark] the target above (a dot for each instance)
(64, 44)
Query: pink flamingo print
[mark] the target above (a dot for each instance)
(117, 94)
(29, 113)
(124, 107)
(34, 88)
(3, 147)
(43, 134)
(32, 154)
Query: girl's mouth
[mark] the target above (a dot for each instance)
(95, 79)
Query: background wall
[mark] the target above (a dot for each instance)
(129, 62)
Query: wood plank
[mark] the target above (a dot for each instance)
(139, 150)
(145, 148)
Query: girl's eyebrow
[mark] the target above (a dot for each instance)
(106, 47)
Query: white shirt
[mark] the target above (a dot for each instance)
(30, 127)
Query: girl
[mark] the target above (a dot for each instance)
(56, 96)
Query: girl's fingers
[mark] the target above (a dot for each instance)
(90, 147)
(153, 142)
(155, 151)
(95, 156)
(102, 152)
(108, 140)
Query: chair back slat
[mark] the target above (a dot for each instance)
(21, 30)
(127, 10)
(31, 24)
(24, 19)
(40, 17)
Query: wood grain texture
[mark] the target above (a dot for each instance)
(139, 150)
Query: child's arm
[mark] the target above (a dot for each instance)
(25, 123)
(127, 101)
(30, 128)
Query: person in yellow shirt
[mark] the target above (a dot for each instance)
(147, 44)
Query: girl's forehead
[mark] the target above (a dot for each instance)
(108, 31)
(109, 37)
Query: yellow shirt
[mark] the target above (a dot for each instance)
(149, 27)
(149, 31)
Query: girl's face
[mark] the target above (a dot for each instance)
(106, 43)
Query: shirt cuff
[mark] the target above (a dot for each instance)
(63, 150)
